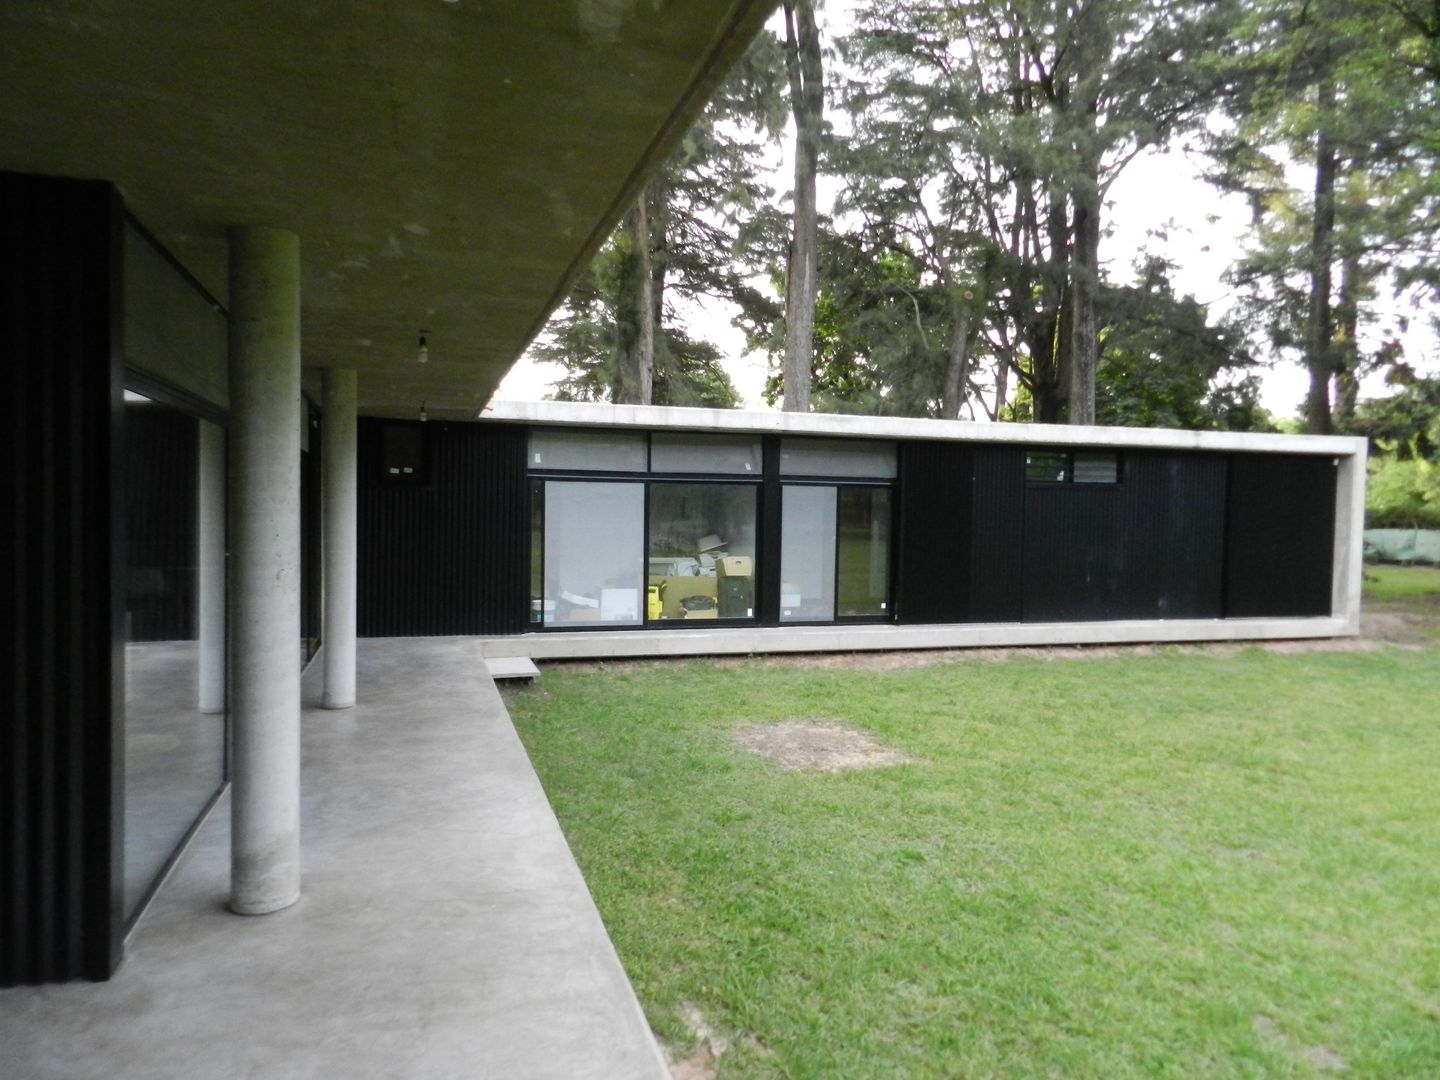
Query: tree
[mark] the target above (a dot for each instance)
(807, 105)
(1346, 89)
(1162, 364)
(689, 235)
(583, 338)
(1004, 128)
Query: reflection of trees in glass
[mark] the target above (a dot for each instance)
(702, 519)
(863, 536)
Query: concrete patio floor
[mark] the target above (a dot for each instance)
(444, 930)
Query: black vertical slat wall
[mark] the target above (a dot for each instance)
(934, 509)
(448, 554)
(997, 563)
(1148, 547)
(1280, 535)
(60, 557)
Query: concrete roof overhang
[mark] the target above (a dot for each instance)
(582, 414)
(449, 165)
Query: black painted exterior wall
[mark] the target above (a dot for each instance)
(61, 540)
(934, 511)
(997, 564)
(1148, 547)
(449, 552)
(1279, 535)
(1182, 535)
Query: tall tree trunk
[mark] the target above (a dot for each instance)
(635, 313)
(1049, 357)
(1084, 275)
(807, 103)
(957, 360)
(1347, 358)
(664, 382)
(1318, 332)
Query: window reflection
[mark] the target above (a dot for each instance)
(863, 551)
(175, 632)
(807, 554)
(701, 561)
(593, 536)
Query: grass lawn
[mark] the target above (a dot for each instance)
(1400, 583)
(1170, 865)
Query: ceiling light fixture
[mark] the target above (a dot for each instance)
(423, 355)
(423, 414)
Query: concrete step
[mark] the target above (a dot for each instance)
(512, 667)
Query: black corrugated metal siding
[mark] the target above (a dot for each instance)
(933, 527)
(1148, 547)
(997, 566)
(61, 652)
(1280, 535)
(449, 555)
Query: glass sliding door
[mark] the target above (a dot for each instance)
(807, 553)
(593, 567)
(175, 633)
(700, 563)
(834, 552)
(863, 552)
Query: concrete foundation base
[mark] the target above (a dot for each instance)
(797, 639)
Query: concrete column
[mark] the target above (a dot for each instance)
(265, 568)
(1348, 573)
(210, 567)
(338, 495)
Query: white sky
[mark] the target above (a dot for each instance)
(1205, 233)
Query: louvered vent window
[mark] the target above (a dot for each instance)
(1072, 466)
(1093, 467)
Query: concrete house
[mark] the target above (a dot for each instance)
(242, 248)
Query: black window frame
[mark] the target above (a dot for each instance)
(1067, 456)
(768, 485)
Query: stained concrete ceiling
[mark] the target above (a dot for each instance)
(447, 165)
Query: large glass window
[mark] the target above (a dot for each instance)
(701, 559)
(594, 534)
(863, 548)
(175, 632)
(807, 554)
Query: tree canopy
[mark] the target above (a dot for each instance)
(972, 149)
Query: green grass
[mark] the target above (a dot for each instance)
(1176, 865)
(1389, 583)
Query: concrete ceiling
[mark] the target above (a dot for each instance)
(447, 165)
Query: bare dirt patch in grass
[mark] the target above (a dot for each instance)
(816, 746)
(1320, 1058)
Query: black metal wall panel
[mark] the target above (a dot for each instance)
(997, 560)
(1148, 547)
(1280, 536)
(60, 554)
(450, 554)
(934, 530)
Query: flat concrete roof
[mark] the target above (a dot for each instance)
(448, 164)
(444, 929)
(586, 414)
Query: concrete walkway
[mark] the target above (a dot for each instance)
(444, 929)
